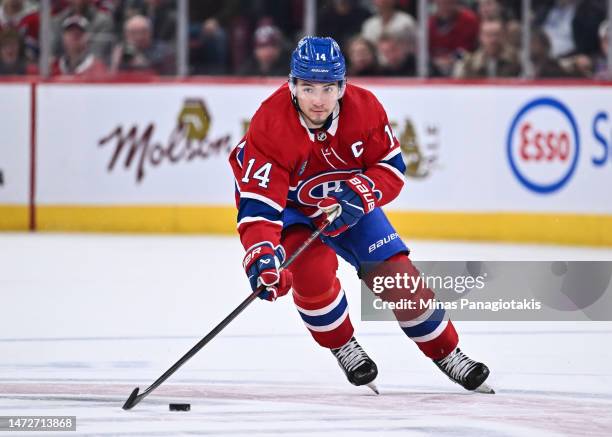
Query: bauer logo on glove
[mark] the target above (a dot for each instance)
(356, 199)
(363, 188)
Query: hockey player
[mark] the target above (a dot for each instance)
(316, 144)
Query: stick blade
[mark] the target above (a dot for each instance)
(131, 401)
(373, 387)
(484, 388)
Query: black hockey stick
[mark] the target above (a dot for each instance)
(136, 398)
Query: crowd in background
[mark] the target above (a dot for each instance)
(466, 39)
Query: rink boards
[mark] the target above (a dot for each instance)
(507, 162)
(15, 156)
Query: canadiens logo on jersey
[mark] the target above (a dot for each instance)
(313, 190)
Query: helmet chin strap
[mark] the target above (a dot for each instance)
(293, 91)
(342, 89)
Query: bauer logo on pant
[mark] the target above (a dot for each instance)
(543, 145)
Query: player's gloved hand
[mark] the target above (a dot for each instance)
(355, 197)
(261, 263)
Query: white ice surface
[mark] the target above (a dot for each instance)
(84, 319)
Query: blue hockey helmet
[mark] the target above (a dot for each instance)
(318, 59)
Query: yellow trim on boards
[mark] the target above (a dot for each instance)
(141, 219)
(14, 217)
(552, 228)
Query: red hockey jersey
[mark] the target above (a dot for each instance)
(281, 163)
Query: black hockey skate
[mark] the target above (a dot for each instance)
(466, 372)
(356, 364)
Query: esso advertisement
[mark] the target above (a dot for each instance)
(543, 145)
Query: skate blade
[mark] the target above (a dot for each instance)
(484, 388)
(373, 387)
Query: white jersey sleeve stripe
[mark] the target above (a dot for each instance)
(257, 219)
(392, 153)
(263, 199)
(393, 170)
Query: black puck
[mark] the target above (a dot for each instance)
(180, 407)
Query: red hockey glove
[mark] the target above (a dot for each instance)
(261, 263)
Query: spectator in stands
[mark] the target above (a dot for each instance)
(209, 53)
(23, 17)
(108, 6)
(101, 27)
(496, 10)
(514, 34)
(600, 61)
(571, 25)
(77, 59)
(489, 10)
(287, 15)
(494, 57)
(270, 57)
(513, 8)
(361, 57)
(508, 11)
(578, 65)
(544, 65)
(397, 56)
(388, 20)
(453, 31)
(162, 14)
(12, 59)
(225, 46)
(139, 52)
(341, 19)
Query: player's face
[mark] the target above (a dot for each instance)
(317, 101)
